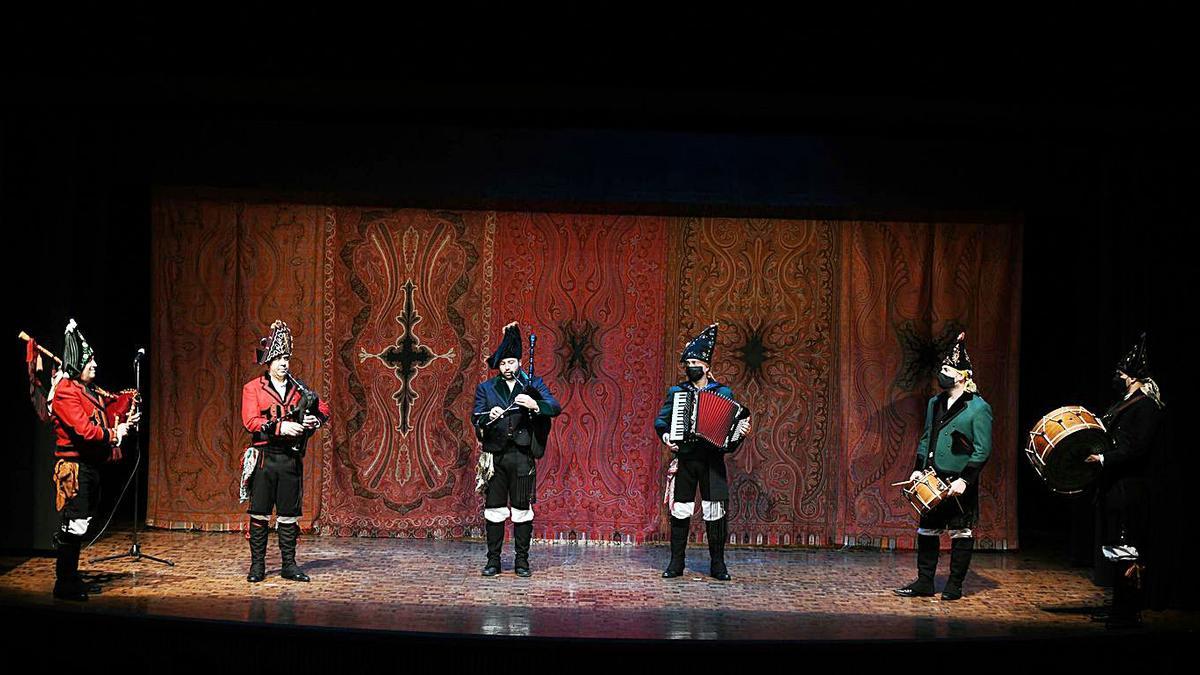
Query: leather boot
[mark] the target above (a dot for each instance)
(289, 534)
(66, 568)
(495, 542)
(717, 534)
(960, 559)
(258, 551)
(522, 535)
(679, 537)
(927, 561)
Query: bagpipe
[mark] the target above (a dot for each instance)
(118, 407)
(296, 413)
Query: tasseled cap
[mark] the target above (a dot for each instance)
(1136, 363)
(956, 357)
(701, 347)
(509, 348)
(275, 345)
(76, 351)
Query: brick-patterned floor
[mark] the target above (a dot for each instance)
(592, 591)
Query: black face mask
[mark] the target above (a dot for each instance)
(945, 381)
(1118, 384)
(694, 373)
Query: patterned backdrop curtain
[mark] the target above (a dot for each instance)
(829, 333)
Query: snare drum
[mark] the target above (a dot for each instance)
(1059, 444)
(926, 492)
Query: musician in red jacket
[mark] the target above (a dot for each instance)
(84, 439)
(281, 414)
(698, 464)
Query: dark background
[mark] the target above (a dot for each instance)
(1084, 136)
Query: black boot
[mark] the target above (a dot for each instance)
(679, 537)
(717, 534)
(289, 534)
(960, 559)
(927, 560)
(495, 542)
(258, 551)
(522, 535)
(67, 585)
(1126, 603)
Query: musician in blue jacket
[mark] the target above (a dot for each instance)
(956, 443)
(512, 419)
(698, 463)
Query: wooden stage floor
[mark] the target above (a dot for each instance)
(434, 587)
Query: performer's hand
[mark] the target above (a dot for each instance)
(495, 412)
(957, 487)
(135, 417)
(122, 431)
(915, 475)
(743, 428)
(526, 401)
(311, 422)
(290, 428)
(1092, 459)
(666, 439)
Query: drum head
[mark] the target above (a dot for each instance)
(1066, 471)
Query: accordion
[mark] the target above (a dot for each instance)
(706, 415)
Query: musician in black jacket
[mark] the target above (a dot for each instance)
(1134, 424)
(512, 418)
(698, 464)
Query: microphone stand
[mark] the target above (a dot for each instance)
(135, 549)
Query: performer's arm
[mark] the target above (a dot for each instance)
(69, 408)
(662, 423)
(1132, 441)
(923, 444)
(981, 437)
(547, 404)
(477, 412)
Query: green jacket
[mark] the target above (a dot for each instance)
(960, 438)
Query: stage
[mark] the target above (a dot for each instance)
(432, 590)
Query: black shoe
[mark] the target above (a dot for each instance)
(952, 591)
(294, 573)
(256, 575)
(491, 570)
(69, 591)
(917, 589)
(523, 571)
(671, 573)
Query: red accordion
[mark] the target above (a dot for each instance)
(705, 415)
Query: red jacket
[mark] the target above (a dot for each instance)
(80, 426)
(262, 409)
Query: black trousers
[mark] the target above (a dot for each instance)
(277, 484)
(704, 470)
(86, 502)
(514, 481)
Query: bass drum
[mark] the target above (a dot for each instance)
(1059, 444)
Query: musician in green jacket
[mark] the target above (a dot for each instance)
(956, 444)
(698, 464)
